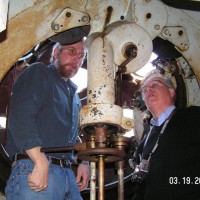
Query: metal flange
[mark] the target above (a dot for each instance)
(109, 154)
(69, 18)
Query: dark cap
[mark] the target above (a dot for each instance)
(71, 36)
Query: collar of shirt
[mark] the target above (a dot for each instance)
(164, 115)
(69, 82)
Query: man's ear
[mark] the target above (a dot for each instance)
(172, 92)
(55, 53)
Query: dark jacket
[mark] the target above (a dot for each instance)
(175, 165)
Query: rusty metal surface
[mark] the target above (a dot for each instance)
(192, 86)
(109, 114)
(100, 71)
(117, 23)
(101, 137)
(101, 178)
(28, 28)
(30, 25)
(123, 34)
(101, 14)
(119, 141)
(77, 147)
(68, 18)
(192, 29)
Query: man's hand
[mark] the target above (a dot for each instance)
(83, 176)
(38, 178)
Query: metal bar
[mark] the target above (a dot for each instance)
(120, 172)
(93, 181)
(91, 144)
(77, 147)
(101, 188)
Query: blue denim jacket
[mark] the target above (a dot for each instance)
(43, 111)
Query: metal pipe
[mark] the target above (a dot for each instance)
(121, 143)
(93, 171)
(120, 173)
(77, 147)
(93, 181)
(100, 73)
(101, 188)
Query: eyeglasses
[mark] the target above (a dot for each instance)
(73, 52)
(153, 84)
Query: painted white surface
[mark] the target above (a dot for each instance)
(3, 14)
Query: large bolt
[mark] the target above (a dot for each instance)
(68, 14)
(85, 18)
(55, 27)
(131, 51)
(157, 27)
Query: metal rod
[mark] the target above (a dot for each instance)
(101, 188)
(93, 172)
(93, 181)
(76, 147)
(120, 173)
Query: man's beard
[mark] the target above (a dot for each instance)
(66, 74)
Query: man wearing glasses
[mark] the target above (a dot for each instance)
(168, 164)
(44, 113)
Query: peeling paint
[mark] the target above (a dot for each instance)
(95, 112)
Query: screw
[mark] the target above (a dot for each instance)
(128, 123)
(85, 18)
(55, 27)
(96, 17)
(131, 51)
(180, 32)
(68, 14)
(166, 32)
(157, 27)
(148, 15)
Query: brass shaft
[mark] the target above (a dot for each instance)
(101, 189)
(120, 172)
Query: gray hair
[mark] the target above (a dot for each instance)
(155, 73)
(57, 46)
(168, 82)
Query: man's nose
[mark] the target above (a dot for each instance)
(76, 57)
